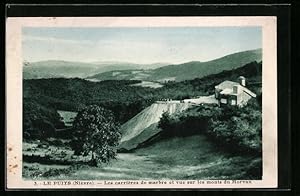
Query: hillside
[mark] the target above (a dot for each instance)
(51, 69)
(68, 69)
(185, 71)
(122, 97)
(130, 74)
(172, 147)
(238, 127)
(189, 158)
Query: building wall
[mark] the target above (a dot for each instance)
(243, 98)
(230, 99)
(240, 99)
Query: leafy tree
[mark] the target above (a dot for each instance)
(96, 134)
(170, 124)
(165, 121)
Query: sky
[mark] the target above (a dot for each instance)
(137, 45)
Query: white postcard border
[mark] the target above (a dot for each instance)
(14, 96)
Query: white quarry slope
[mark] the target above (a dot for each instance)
(203, 99)
(149, 116)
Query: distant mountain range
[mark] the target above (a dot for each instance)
(69, 69)
(161, 72)
(185, 71)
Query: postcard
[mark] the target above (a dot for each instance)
(141, 102)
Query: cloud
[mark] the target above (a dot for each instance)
(130, 45)
(54, 40)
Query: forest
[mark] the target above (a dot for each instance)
(43, 97)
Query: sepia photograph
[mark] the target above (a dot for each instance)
(142, 103)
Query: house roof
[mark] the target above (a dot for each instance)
(228, 91)
(226, 84)
(248, 91)
(227, 88)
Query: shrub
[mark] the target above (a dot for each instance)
(186, 123)
(236, 129)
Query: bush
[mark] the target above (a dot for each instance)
(236, 129)
(255, 169)
(186, 123)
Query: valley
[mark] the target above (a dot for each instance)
(170, 122)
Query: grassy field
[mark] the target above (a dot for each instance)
(192, 157)
(67, 117)
(148, 84)
(53, 157)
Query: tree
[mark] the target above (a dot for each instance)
(96, 134)
(44, 128)
(165, 123)
(39, 121)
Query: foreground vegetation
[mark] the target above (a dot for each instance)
(191, 157)
(235, 129)
(231, 129)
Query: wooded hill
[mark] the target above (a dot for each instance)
(185, 71)
(42, 97)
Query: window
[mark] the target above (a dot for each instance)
(233, 102)
(224, 101)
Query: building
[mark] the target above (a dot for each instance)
(233, 93)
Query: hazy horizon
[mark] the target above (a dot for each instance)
(173, 45)
(124, 62)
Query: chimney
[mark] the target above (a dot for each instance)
(242, 80)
